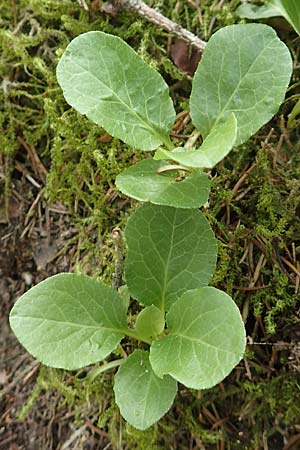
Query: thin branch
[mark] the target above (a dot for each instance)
(150, 14)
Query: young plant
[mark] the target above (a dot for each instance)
(187, 331)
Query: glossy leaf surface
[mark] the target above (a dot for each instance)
(150, 322)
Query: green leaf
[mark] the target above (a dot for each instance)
(250, 11)
(125, 295)
(143, 182)
(103, 78)
(69, 321)
(142, 397)
(150, 322)
(169, 252)
(245, 70)
(215, 147)
(206, 339)
(294, 116)
(289, 9)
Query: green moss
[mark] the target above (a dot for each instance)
(202, 21)
(277, 398)
(30, 403)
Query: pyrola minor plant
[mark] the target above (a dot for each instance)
(191, 333)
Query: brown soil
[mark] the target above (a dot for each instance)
(33, 242)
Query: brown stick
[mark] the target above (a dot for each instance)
(143, 10)
(148, 13)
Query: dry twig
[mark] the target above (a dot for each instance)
(150, 14)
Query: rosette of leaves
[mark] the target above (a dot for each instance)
(194, 333)
(191, 333)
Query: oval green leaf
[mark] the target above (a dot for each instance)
(143, 182)
(150, 322)
(250, 11)
(245, 69)
(170, 251)
(206, 339)
(215, 147)
(142, 397)
(69, 321)
(103, 78)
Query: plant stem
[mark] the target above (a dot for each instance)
(110, 365)
(117, 275)
(172, 167)
(132, 333)
(168, 143)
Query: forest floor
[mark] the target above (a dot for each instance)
(59, 208)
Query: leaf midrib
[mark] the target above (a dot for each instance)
(153, 128)
(220, 114)
(149, 385)
(73, 324)
(199, 341)
(165, 280)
